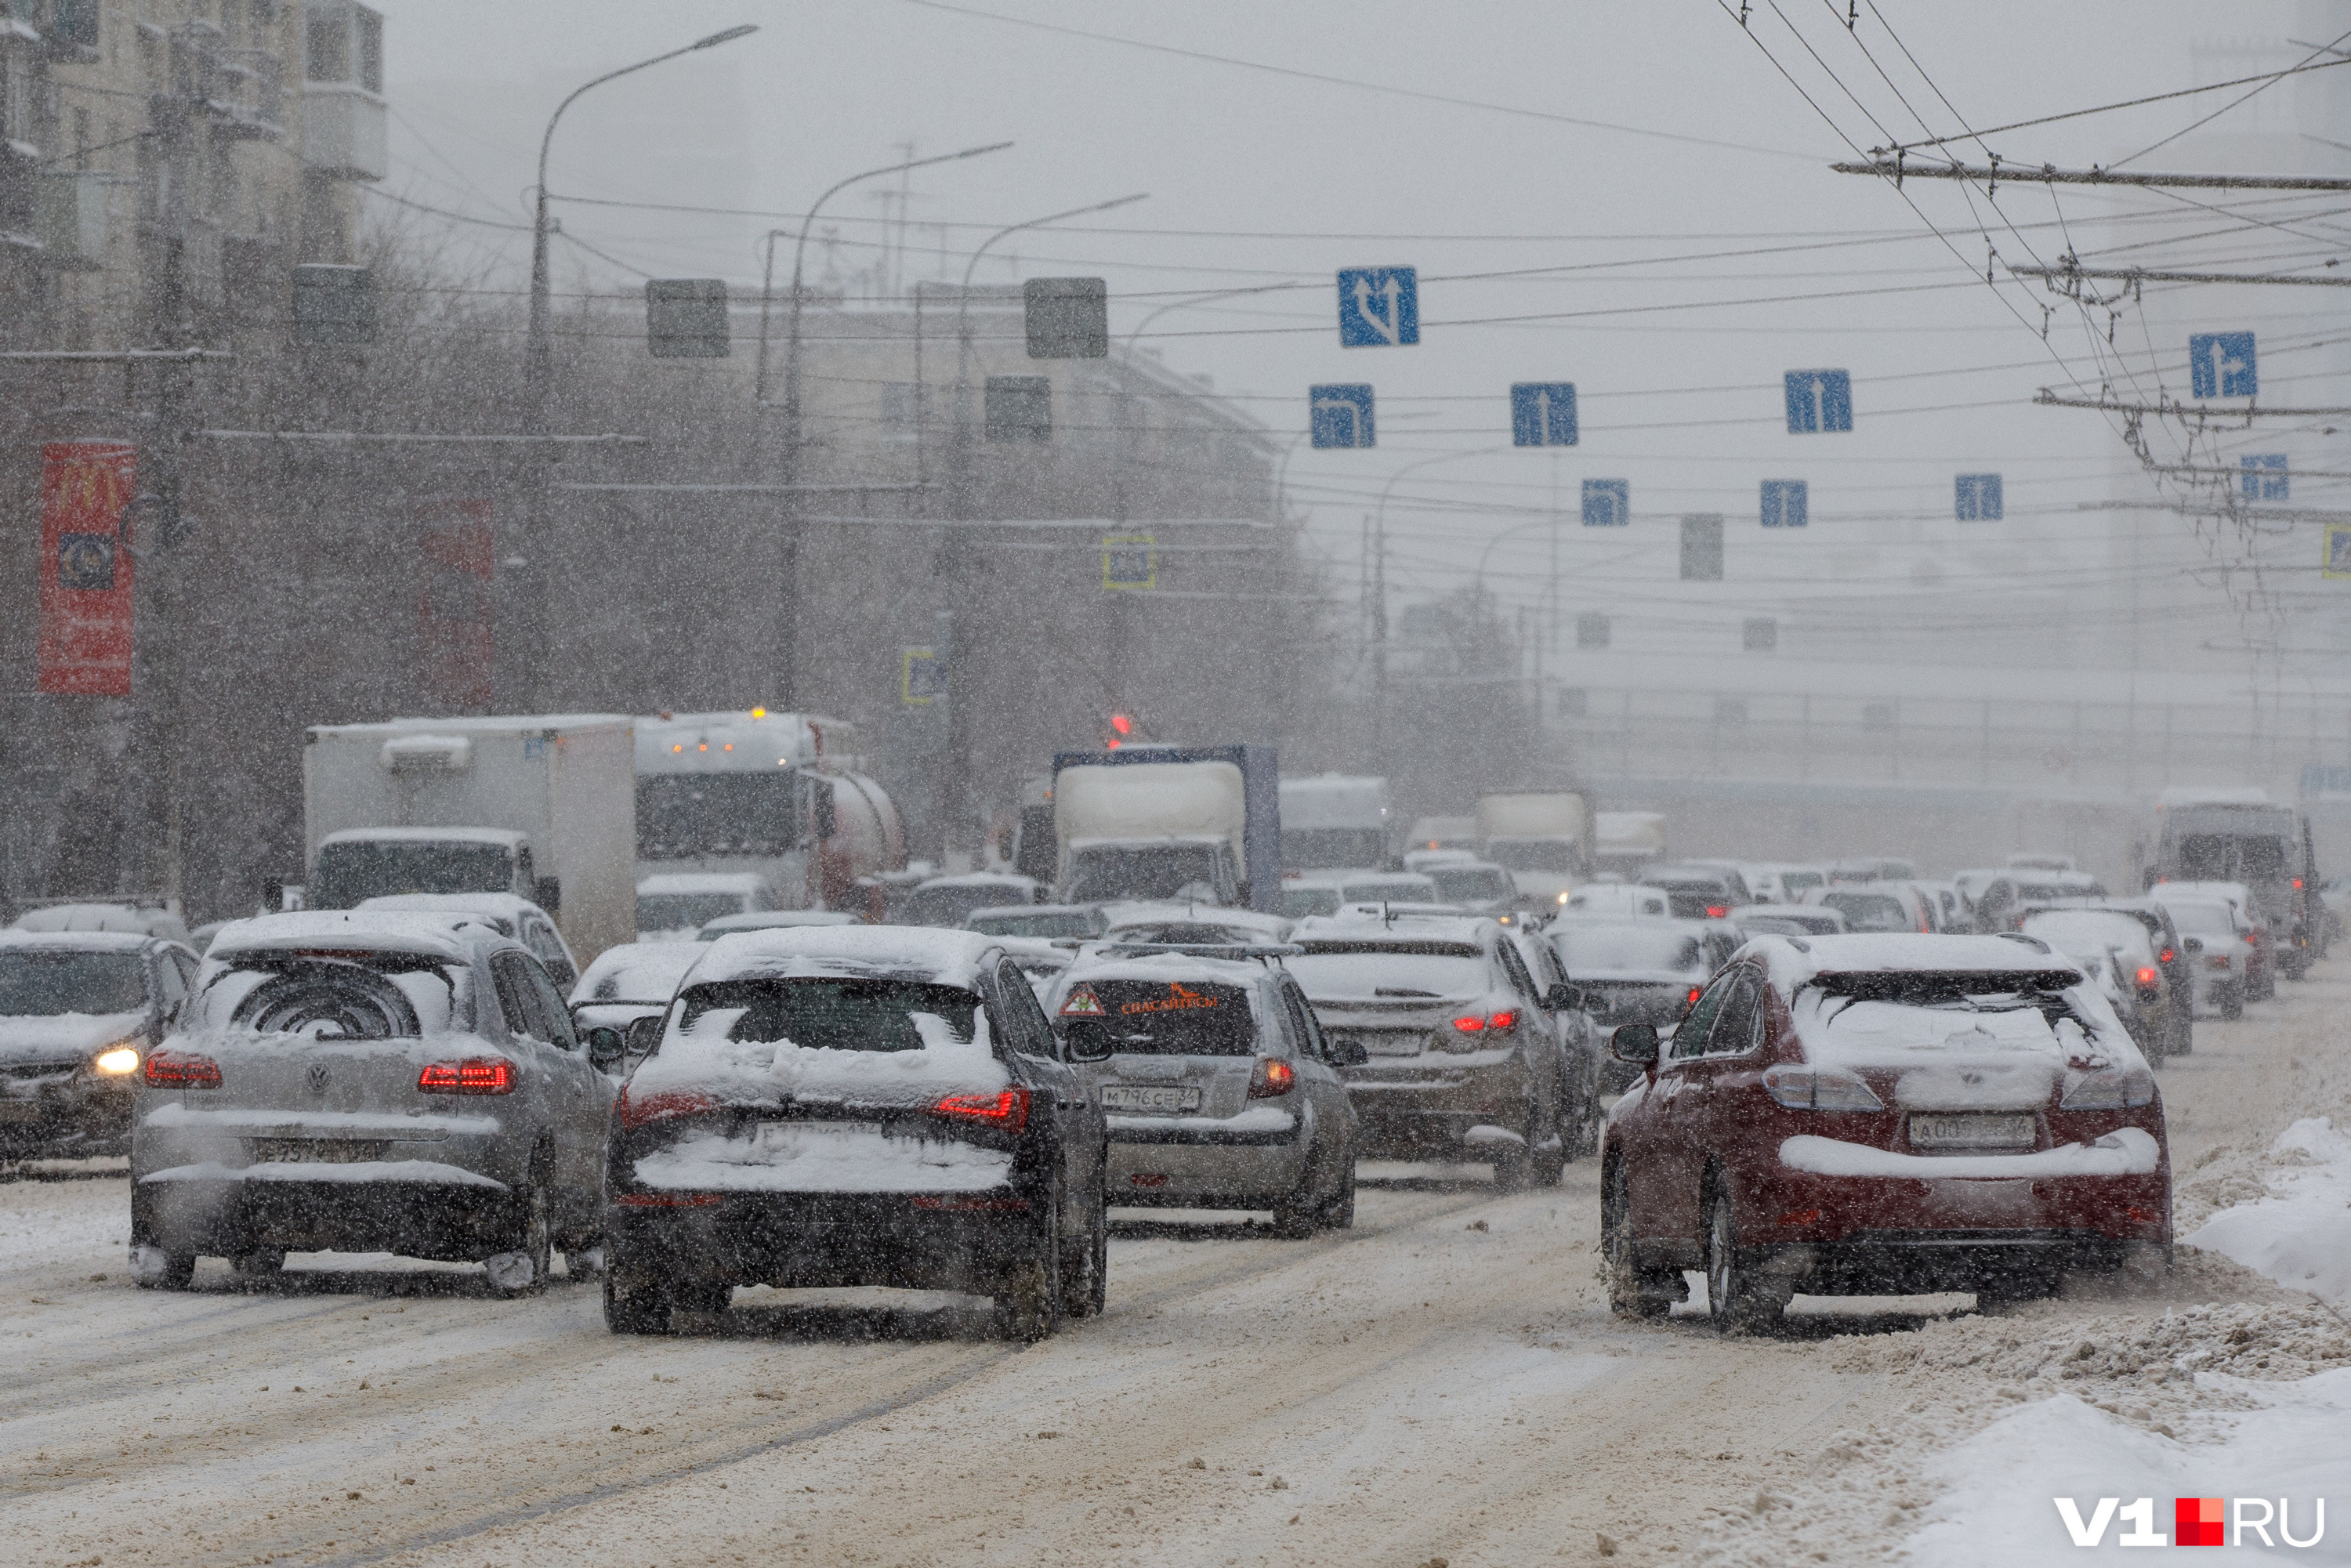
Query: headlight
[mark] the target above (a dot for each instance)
(117, 1060)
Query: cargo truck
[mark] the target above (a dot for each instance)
(1169, 821)
(541, 806)
(1626, 843)
(1333, 822)
(1542, 838)
(2240, 836)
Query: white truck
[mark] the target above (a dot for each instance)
(1628, 842)
(1334, 821)
(1160, 823)
(1542, 838)
(541, 806)
(781, 796)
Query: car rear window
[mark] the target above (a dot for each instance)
(1471, 884)
(2084, 934)
(1414, 889)
(1869, 911)
(1401, 971)
(685, 911)
(37, 982)
(1588, 948)
(1158, 1017)
(1297, 903)
(830, 1012)
(1049, 925)
(339, 994)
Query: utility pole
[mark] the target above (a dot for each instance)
(1379, 642)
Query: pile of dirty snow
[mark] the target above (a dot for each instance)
(2299, 1232)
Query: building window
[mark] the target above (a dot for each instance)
(343, 44)
(1592, 631)
(1761, 635)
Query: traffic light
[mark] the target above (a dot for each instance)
(1121, 727)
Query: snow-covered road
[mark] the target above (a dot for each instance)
(1444, 1381)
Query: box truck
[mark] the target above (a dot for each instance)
(1543, 838)
(1335, 821)
(542, 806)
(1169, 821)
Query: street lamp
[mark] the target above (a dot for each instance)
(1126, 395)
(535, 367)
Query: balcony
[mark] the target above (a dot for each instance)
(343, 134)
(248, 99)
(71, 218)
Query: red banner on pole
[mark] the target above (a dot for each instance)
(86, 568)
(453, 612)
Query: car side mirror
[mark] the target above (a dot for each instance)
(2193, 945)
(1081, 1044)
(1564, 998)
(547, 892)
(607, 1046)
(1349, 1054)
(1634, 1044)
(643, 1034)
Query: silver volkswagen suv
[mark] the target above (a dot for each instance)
(367, 1080)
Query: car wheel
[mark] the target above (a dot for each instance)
(1339, 1214)
(586, 1261)
(2232, 1003)
(1627, 1299)
(155, 1270)
(262, 1265)
(1735, 1297)
(1085, 1277)
(635, 1304)
(1548, 1157)
(522, 1271)
(1027, 1299)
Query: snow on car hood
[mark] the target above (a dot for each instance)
(59, 1036)
(769, 1072)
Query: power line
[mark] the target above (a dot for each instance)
(1896, 170)
(1978, 136)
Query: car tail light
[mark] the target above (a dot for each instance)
(2220, 960)
(1506, 1019)
(1272, 1078)
(179, 1069)
(2297, 884)
(2147, 978)
(1470, 1023)
(2138, 1215)
(637, 1110)
(1691, 1000)
(1802, 1088)
(2166, 956)
(2108, 1089)
(1718, 911)
(1800, 1216)
(473, 1075)
(1006, 1109)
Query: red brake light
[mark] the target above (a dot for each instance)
(473, 1075)
(1007, 1109)
(1718, 911)
(1469, 1024)
(635, 1111)
(2146, 977)
(1272, 1078)
(1691, 1000)
(178, 1070)
(2297, 884)
(1503, 1020)
(2165, 956)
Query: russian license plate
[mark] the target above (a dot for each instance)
(1149, 1097)
(315, 1151)
(1392, 1042)
(1972, 1132)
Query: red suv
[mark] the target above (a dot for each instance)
(1882, 1114)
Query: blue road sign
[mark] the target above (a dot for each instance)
(2220, 364)
(1976, 498)
(2265, 476)
(1379, 307)
(1607, 502)
(1786, 504)
(1340, 415)
(1543, 413)
(1819, 401)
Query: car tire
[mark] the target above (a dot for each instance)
(2232, 1002)
(1085, 1269)
(262, 1265)
(1626, 1298)
(1339, 1214)
(635, 1304)
(1735, 1297)
(522, 1269)
(1026, 1301)
(171, 1271)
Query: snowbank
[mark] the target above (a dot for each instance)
(2300, 1235)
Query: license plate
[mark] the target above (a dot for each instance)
(1149, 1097)
(1393, 1044)
(315, 1151)
(1972, 1132)
(13, 1111)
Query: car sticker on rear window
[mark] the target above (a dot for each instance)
(1082, 1003)
(1176, 997)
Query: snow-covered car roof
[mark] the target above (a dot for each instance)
(701, 881)
(980, 879)
(506, 836)
(1031, 952)
(1369, 926)
(103, 916)
(1793, 960)
(637, 972)
(452, 935)
(1159, 967)
(79, 941)
(1088, 844)
(935, 953)
(504, 910)
(1272, 927)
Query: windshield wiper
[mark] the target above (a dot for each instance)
(1401, 991)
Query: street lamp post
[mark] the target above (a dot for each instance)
(1380, 589)
(537, 368)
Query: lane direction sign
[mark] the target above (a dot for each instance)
(1607, 502)
(1976, 498)
(1543, 413)
(1340, 414)
(1787, 504)
(2265, 478)
(1819, 401)
(2220, 364)
(1379, 307)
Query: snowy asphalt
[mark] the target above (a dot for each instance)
(1442, 1382)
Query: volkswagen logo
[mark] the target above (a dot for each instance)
(318, 1077)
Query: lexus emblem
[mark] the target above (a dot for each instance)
(318, 1077)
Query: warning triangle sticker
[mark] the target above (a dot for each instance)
(1082, 1003)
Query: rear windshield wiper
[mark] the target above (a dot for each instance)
(1401, 991)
